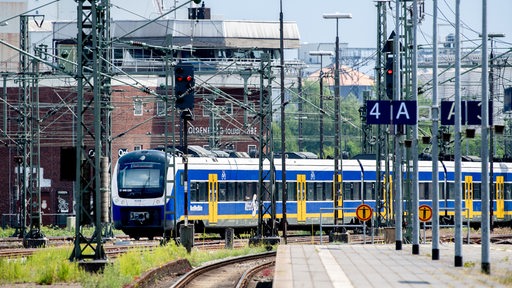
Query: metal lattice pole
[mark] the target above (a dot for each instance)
(266, 175)
(93, 125)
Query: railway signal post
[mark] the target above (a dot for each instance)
(184, 93)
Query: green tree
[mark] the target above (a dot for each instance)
(310, 116)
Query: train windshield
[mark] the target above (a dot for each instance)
(141, 180)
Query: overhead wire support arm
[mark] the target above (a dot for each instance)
(137, 84)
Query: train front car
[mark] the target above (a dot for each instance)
(138, 194)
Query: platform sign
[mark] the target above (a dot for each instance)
(425, 213)
(364, 212)
(396, 112)
(404, 113)
(378, 112)
(470, 113)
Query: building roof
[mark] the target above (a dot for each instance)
(198, 33)
(348, 77)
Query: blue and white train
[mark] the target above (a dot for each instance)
(222, 192)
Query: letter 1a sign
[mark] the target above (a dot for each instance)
(396, 112)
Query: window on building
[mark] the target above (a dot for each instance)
(160, 108)
(251, 149)
(252, 109)
(207, 109)
(229, 108)
(137, 107)
(137, 147)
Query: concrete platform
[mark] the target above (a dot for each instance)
(381, 265)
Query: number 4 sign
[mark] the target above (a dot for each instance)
(396, 112)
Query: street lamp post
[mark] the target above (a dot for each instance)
(337, 100)
(491, 37)
(321, 76)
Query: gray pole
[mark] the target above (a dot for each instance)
(283, 134)
(415, 189)
(491, 36)
(491, 132)
(397, 171)
(321, 109)
(321, 155)
(435, 152)
(4, 76)
(458, 172)
(337, 100)
(337, 157)
(486, 263)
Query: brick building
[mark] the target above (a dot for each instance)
(226, 58)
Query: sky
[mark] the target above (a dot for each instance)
(360, 31)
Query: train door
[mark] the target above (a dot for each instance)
(213, 198)
(468, 195)
(301, 198)
(338, 197)
(500, 197)
(387, 198)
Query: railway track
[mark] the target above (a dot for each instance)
(15, 249)
(12, 247)
(235, 272)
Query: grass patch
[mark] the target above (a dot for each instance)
(45, 266)
(506, 280)
(55, 231)
(51, 265)
(469, 264)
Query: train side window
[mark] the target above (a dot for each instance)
(351, 192)
(368, 191)
(292, 191)
(327, 191)
(310, 191)
(508, 191)
(347, 191)
(319, 191)
(240, 191)
(202, 191)
(442, 191)
(279, 191)
(477, 191)
(222, 191)
(266, 196)
(356, 191)
(450, 193)
(230, 191)
(424, 192)
(194, 191)
(249, 191)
